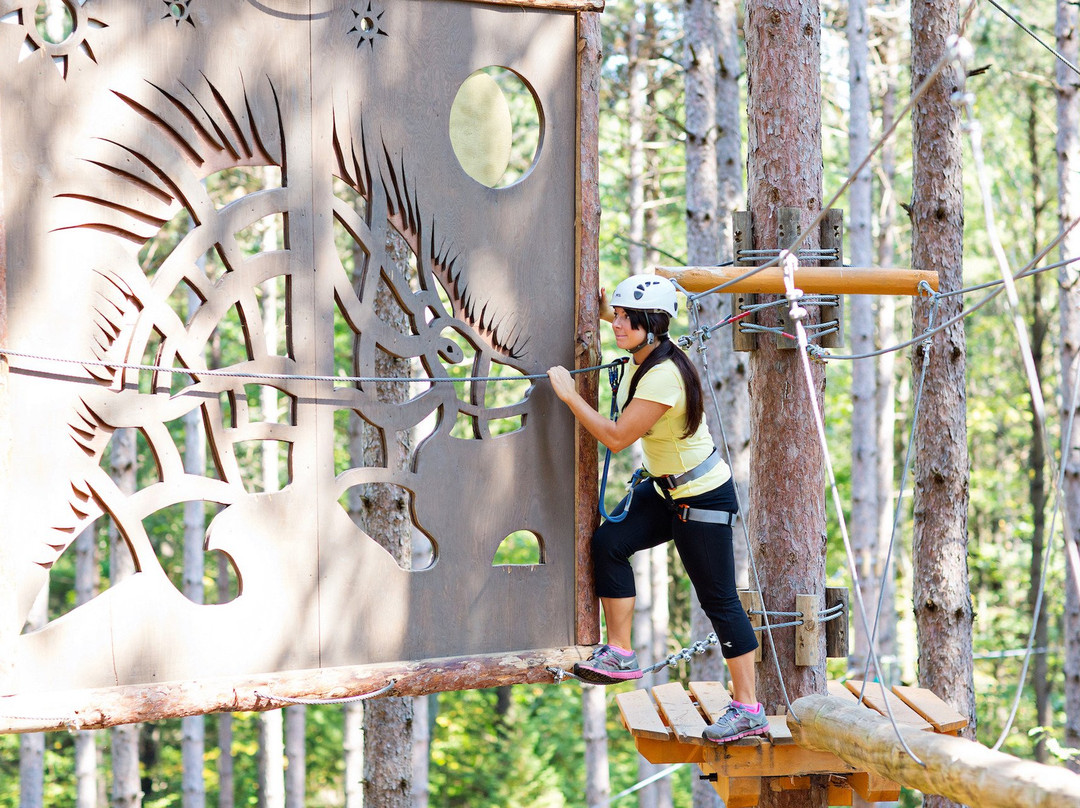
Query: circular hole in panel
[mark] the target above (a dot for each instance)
(178, 11)
(366, 23)
(54, 21)
(496, 127)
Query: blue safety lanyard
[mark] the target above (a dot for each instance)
(615, 373)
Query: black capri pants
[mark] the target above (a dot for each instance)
(705, 548)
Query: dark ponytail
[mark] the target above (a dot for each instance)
(657, 322)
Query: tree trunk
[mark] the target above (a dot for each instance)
(226, 788)
(87, 578)
(886, 363)
(272, 724)
(126, 788)
(32, 745)
(1038, 493)
(383, 510)
(942, 598)
(864, 433)
(787, 514)
(353, 744)
(594, 733)
(193, 728)
(1068, 167)
(296, 762)
(730, 368)
(421, 751)
(636, 85)
(270, 760)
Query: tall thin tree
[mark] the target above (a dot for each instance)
(942, 598)
(126, 784)
(1068, 170)
(787, 513)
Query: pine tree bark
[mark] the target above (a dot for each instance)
(787, 514)
(384, 511)
(942, 598)
(1068, 169)
(270, 760)
(127, 787)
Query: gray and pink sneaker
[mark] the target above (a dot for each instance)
(737, 721)
(607, 666)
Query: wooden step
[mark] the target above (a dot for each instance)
(935, 710)
(876, 697)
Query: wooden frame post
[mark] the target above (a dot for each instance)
(8, 605)
(590, 47)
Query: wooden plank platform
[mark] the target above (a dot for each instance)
(667, 721)
(876, 696)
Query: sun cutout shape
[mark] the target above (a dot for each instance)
(179, 11)
(367, 25)
(61, 36)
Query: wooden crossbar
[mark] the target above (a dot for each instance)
(811, 280)
(876, 697)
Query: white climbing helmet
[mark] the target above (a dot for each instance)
(646, 293)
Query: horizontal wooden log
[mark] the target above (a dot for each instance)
(811, 280)
(962, 770)
(553, 5)
(109, 707)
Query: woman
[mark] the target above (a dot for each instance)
(687, 496)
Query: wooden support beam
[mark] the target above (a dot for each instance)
(587, 342)
(109, 707)
(812, 280)
(959, 769)
(836, 630)
(751, 602)
(878, 698)
(808, 635)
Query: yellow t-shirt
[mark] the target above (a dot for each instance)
(665, 449)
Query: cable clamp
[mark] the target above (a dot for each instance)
(817, 353)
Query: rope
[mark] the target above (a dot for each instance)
(1035, 36)
(695, 315)
(343, 700)
(72, 722)
(660, 775)
(1038, 403)
(797, 313)
(615, 374)
(234, 374)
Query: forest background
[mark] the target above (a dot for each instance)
(526, 745)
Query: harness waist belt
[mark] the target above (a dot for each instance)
(687, 514)
(670, 481)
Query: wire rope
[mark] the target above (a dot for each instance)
(1036, 37)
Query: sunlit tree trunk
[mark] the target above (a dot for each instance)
(864, 446)
(1068, 167)
(421, 751)
(126, 786)
(787, 513)
(594, 734)
(32, 744)
(887, 641)
(272, 760)
(193, 728)
(942, 597)
(353, 750)
(87, 780)
(296, 764)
